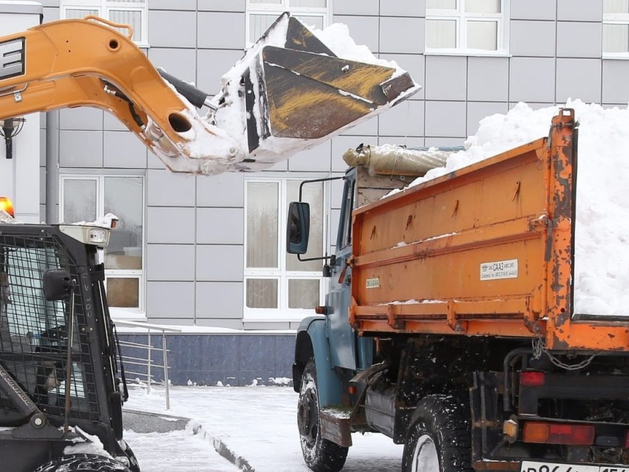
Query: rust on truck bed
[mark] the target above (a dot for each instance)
(486, 250)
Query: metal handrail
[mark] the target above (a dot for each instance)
(148, 362)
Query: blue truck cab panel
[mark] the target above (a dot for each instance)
(329, 339)
(312, 343)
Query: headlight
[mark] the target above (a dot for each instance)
(98, 236)
(93, 235)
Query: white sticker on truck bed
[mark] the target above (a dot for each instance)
(499, 270)
(373, 283)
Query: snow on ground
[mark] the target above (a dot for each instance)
(177, 451)
(602, 225)
(259, 424)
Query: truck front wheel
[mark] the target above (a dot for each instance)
(319, 454)
(438, 438)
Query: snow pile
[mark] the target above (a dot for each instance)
(602, 222)
(108, 222)
(86, 444)
(337, 38)
(499, 133)
(6, 218)
(283, 381)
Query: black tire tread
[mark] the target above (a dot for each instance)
(83, 463)
(328, 456)
(446, 420)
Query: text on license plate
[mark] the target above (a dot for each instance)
(549, 467)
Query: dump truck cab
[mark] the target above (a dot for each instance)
(328, 351)
(61, 383)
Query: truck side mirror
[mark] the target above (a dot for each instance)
(57, 284)
(298, 228)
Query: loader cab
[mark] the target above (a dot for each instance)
(59, 368)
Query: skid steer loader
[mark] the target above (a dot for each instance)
(61, 381)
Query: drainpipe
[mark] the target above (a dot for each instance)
(52, 167)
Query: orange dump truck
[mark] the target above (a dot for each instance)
(449, 324)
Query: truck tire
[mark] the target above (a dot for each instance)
(82, 463)
(438, 438)
(319, 454)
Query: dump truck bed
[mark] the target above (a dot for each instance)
(486, 250)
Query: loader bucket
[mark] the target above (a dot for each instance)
(298, 92)
(309, 96)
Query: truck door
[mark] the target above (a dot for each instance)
(340, 334)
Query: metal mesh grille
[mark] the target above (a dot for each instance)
(33, 331)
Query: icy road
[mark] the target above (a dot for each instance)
(257, 424)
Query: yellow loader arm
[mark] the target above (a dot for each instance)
(279, 99)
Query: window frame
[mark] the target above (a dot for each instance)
(283, 313)
(104, 6)
(462, 18)
(278, 8)
(620, 19)
(119, 312)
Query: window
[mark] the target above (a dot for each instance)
(616, 27)
(85, 198)
(129, 12)
(277, 285)
(262, 13)
(466, 25)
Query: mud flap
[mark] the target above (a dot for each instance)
(335, 427)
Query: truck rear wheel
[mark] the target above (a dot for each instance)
(438, 438)
(319, 454)
(82, 463)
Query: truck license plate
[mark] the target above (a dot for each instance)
(550, 467)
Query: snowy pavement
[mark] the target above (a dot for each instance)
(256, 426)
(176, 451)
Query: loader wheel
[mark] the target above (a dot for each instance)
(319, 454)
(438, 438)
(82, 463)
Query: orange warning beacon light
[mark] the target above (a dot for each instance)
(7, 205)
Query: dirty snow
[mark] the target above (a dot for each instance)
(602, 225)
(258, 424)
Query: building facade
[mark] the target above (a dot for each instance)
(206, 253)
